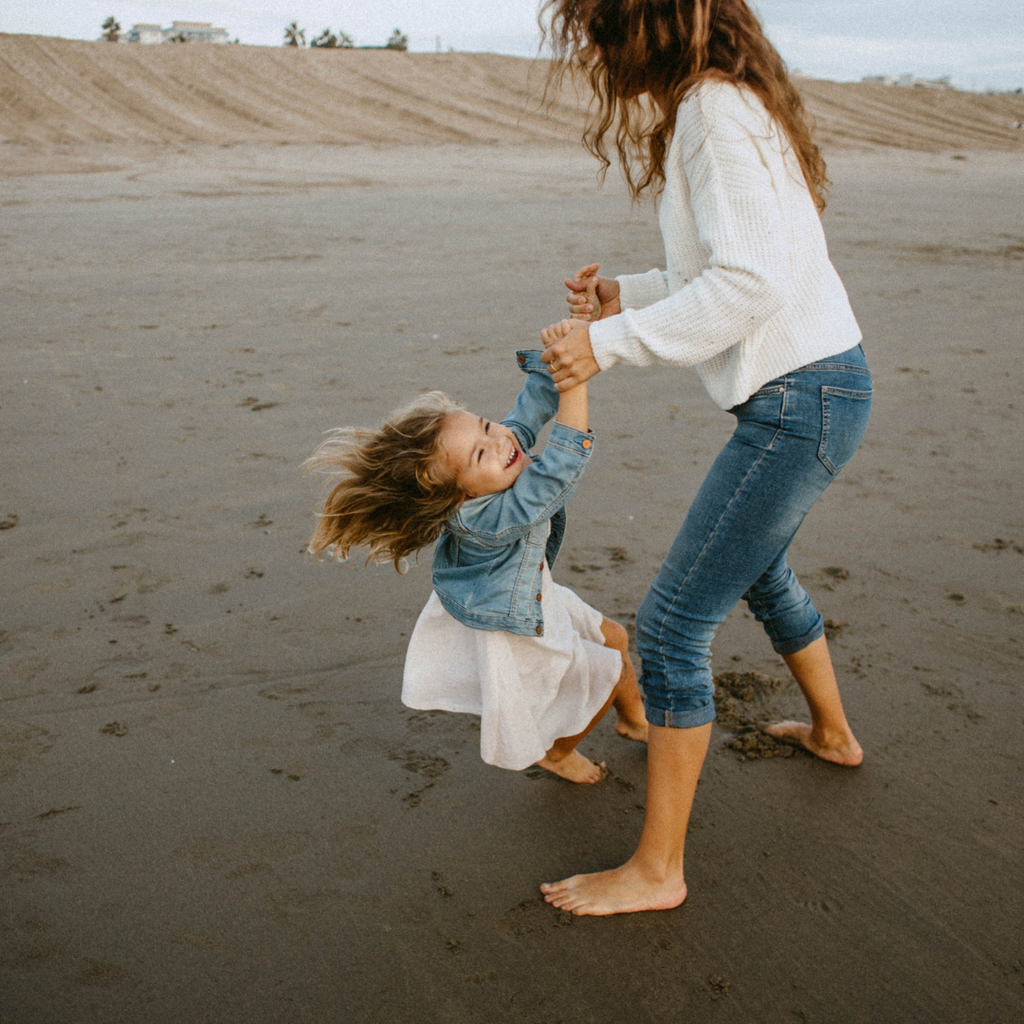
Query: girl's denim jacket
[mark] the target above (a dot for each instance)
(487, 565)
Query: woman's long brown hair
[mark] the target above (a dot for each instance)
(631, 51)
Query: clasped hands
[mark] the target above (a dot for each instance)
(567, 349)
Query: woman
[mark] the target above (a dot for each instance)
(704, 114)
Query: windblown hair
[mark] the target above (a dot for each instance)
(396, 492)
(631, 51)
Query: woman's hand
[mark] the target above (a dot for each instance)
(568, 353)
(591, 297)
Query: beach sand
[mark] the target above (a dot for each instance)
(213, 806)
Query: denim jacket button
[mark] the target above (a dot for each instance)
(541, 566)
(522, 360)
(586, 442)
(539, 596)
(540, 630)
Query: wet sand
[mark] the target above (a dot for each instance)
(213, 806)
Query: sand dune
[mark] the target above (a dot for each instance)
(54, 90)
(61, 91)
(922, 119)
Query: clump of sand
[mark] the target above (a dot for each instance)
(744, 703)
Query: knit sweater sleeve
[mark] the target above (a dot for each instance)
(721, 135)
(639, 290)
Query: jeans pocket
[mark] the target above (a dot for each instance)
(768, 391)
(844, 418)
(760, 417)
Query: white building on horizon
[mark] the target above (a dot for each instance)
(913, 82)
(180, 31)
(910, 81)
(147, 34)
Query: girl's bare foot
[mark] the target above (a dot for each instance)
(632, 730)
(839, 749)
(574, 767)
(623, 890)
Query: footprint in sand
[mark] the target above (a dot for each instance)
(21, 742)
(531, 916)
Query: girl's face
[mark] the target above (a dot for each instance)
(485, 456)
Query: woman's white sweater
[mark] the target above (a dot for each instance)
(749, 293)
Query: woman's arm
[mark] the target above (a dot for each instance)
(591, 297)
(739, 223)
(627, 291)
(569, 355)
(567, 372)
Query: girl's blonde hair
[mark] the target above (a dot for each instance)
(396, 492)
(628, 48)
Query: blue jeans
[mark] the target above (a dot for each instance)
(792, 437)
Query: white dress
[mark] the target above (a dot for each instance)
(527, 690)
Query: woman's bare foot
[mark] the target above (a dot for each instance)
(830, 737)
(624, 890)
(574, 767)
(632, 730)
(840, 749)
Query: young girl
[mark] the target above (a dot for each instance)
(498, 638)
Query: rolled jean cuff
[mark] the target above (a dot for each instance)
(798, 643)
(688, 719)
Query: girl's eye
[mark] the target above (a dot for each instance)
(479, 455)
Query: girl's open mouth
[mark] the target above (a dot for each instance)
(513, 457)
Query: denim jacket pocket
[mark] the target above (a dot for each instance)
(844, 418)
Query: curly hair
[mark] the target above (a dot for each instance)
(635, 51)
(396, 492)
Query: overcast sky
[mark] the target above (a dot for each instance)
(981, 44)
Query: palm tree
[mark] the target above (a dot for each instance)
(397, 41)
(111, 29)
(294, 36)
(341, 41)
(326, 39)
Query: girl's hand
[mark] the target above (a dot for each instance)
(591, 297)
(568, 353)
(556, 332)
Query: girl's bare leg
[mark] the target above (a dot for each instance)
(829, 735)
(629, 706)
(652, 879)
(563, 758)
